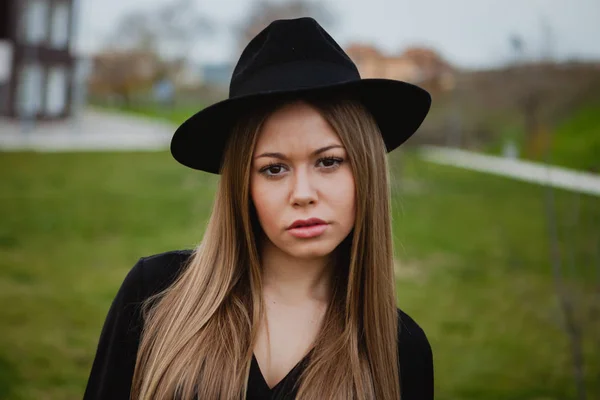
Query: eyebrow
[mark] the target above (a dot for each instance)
(314, 153)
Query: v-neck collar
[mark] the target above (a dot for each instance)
(261, 390)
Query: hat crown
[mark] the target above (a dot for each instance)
(286, 41)
(295, 57)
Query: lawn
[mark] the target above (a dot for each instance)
(572, 143)
(176, 114)
(473, 250)
(576, 141)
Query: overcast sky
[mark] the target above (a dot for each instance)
(469, 33)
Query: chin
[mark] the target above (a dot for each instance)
(312, 250)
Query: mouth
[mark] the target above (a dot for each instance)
(309, 228)
(304, 223)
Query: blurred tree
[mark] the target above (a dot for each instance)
(120, 74)
(147, 45)
(264, 12)
(532, 99)
(517, 45)
(169, 29)
(538, 138)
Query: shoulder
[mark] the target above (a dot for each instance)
(154, 273)
(412, 340)
(409, 331)
(415, 358)
(112, 370)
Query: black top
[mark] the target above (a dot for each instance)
(112, 370)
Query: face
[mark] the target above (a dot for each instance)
(302, 184)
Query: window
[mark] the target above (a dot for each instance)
(59, 34)
(34, 18)
(56, 91)
(6, 59)
(30, 89)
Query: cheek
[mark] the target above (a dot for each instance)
(344, 195)
(266, 205)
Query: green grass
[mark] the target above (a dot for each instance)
(576, 142)
(177, 114)
(474, 268)
(478, 277)
(573, 143)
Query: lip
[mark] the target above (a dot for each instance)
(307, 228)
(302, 223)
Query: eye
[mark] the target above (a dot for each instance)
(272, 170)
(330, 162)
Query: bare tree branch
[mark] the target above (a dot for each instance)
(265, 11)
(169, 29)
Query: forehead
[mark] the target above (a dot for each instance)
(296, 126)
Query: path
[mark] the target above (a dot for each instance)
(522, 170)
(93, 131)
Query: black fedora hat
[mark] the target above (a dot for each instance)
(295, 56)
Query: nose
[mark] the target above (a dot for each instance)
(303, 190)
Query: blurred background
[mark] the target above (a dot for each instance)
(496, 200)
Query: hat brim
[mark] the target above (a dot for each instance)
(399, 108)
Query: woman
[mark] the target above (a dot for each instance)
(291, 293)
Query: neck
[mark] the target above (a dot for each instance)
(292, 280)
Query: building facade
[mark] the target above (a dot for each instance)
(415, 65)
(37, 64)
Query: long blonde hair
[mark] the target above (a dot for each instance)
(199, 333)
